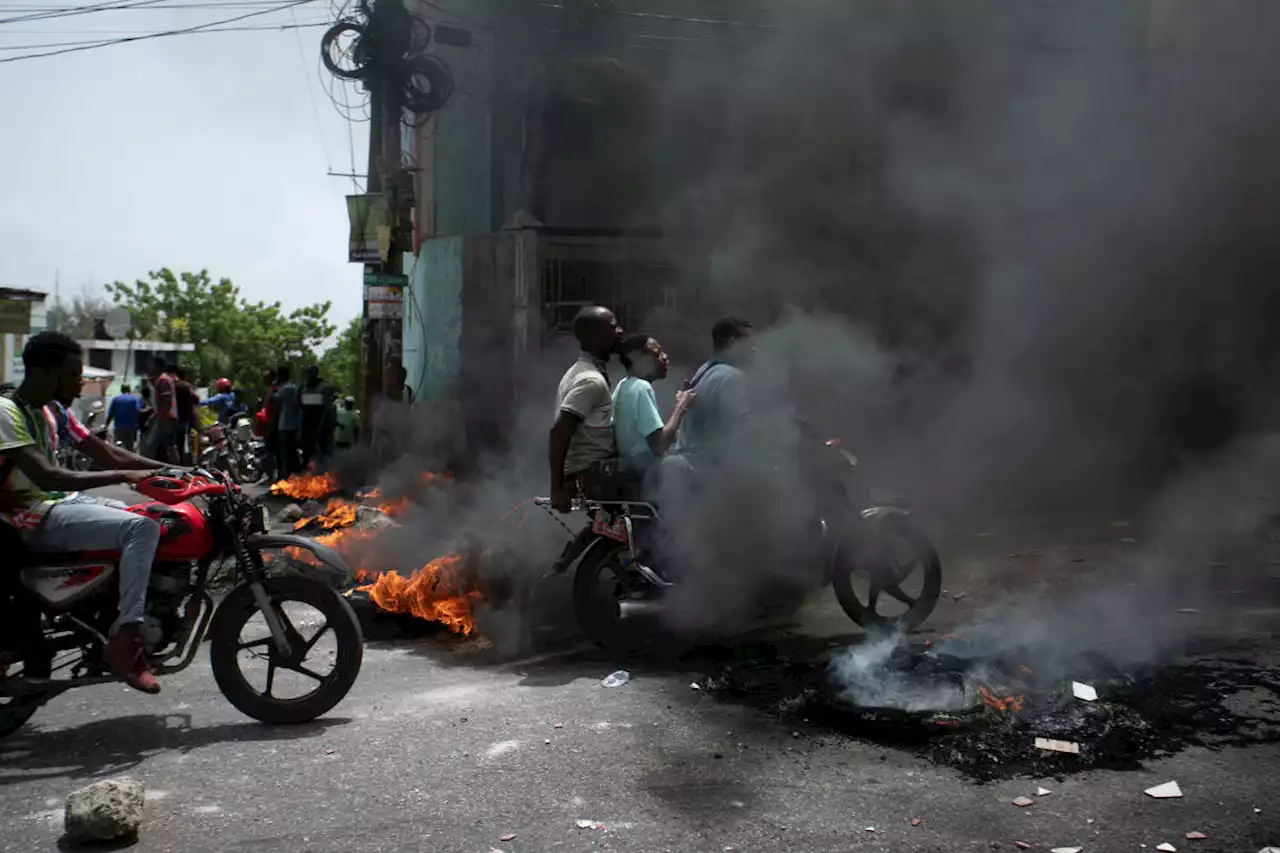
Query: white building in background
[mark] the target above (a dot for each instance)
(129, 360)
(22, 314)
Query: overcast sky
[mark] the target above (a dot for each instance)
(188, 152)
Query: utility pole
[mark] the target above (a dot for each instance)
(380, 343)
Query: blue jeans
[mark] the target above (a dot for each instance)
(85, 523)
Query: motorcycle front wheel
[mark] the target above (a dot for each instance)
(239, 636)
(893, 561)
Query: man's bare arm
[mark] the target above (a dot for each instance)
(558, 446)
(46, 475)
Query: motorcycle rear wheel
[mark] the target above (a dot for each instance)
(926, 558)
(225, 646)
(600, 613)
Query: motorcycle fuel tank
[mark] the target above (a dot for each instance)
(184, 531)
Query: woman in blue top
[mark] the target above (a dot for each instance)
(638, 429)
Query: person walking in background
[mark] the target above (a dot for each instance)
(145, 411)
(266, 418)
(187, 400)
(316, 401)
(288, 423)
(348, 424)
(125, 411)
(163, 433)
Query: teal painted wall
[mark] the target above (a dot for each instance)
(433, 319)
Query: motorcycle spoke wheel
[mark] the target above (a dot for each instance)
(893, 581)
(324, 657)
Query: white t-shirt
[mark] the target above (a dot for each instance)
(584, 391)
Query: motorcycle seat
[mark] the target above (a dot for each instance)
(24, 555)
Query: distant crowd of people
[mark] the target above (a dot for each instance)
(299, 423)
(304, 423)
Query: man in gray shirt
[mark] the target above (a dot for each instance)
(582, 435)
(723, 406)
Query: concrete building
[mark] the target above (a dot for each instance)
(518, 223)
(21, 309)
(129, 360)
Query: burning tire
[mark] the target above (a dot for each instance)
(877, 559)
(227, 645)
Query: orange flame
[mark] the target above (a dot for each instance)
(338, 513)
(306, 486)
(436, 592)
(1001, 703)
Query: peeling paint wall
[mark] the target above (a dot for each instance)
(433, 319)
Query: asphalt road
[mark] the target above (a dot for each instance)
(447, 746)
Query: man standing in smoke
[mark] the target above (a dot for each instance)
(582, 436)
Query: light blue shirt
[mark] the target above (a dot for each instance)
(635, 418)
(720, 409)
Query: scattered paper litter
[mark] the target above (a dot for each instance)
(1166, 847)
(1022, 845)
(693, 685)
(510, 836)
(868, 829)
(1167, 791)
(1066, 850)
(1057, 745)
(1043, 792)
(589, 824)
(1023, 802)
(1196, 836)
(1083, 691)
(915, 821)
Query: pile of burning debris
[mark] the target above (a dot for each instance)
(444, 590)
(994, 717)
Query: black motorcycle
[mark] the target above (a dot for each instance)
(885, 571)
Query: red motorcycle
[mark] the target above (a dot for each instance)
(56, 609)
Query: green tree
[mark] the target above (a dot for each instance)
(340, 363)
(234, 338)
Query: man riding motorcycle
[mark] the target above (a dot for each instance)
(40, 502)
(224, 401)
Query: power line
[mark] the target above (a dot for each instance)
(135, 7)
(100, 42)
(108, 6)
(183, 31)
(311, 93)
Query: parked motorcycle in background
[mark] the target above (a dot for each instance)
(230, 448)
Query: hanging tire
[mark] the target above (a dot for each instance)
(849, 553)
(226, 644)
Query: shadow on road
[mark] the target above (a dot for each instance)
(120, 743)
